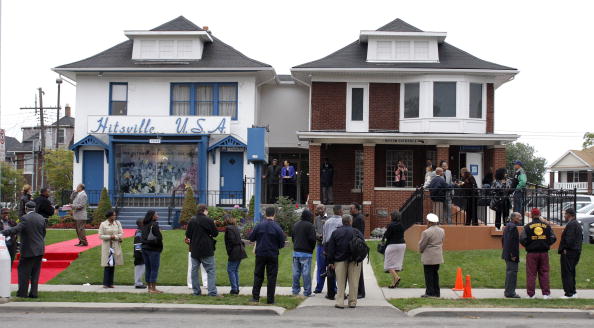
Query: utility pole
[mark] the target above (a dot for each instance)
(59, 83)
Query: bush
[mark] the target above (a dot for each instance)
(217, 214)
(246, 229)
(102, 208)
(378, 232)
(285, 214)
(250, 213)
(189, 208)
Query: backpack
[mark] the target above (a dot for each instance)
(359, 249)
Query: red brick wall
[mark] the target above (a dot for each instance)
(490, 108)
(342, 157)
(328, 106)
(499, 159)
(314, 174)
(384, 106)
(368, 182)
(443, 154)
(388, 200)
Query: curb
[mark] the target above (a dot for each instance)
(501, 313)
(72, 307)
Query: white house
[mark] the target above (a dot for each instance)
(573, 170)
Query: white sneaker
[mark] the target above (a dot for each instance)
(546, 297)
(531, 297)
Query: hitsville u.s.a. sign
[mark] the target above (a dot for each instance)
(99, 124)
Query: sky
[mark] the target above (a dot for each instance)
(549, 102)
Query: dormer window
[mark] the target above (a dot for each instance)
(402, 46)
(168, 45)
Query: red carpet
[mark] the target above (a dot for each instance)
(58, 256)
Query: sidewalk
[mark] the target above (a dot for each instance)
(478, 293)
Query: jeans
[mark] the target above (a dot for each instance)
(511, 278)
(569, 261)
(431, 280)
(108, 273)
(270, 264)
(537, 264)
(210, 267)
(152, 261)
(302, 267)
(233, 272)
(519, 202)
(321, 263)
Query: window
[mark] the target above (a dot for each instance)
(421, 50)
(118, 102)
(148, 48)
(384, 50)
(444, 99)
(476, 100)
(204, 99)
(392, 158)
(411, 100)
(166, 49)
(60, 136)
(358, 169)
(28, 165)
(402, 50)
(577, 176)
(184, 49)
(357, 104)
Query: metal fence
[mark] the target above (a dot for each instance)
(461, 206)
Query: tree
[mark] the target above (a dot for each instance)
(285, 214)
(533, 165)
(58, 167)
(102, 208)
(11, 183)
(588, 140)
(189, 208)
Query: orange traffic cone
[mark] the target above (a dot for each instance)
(467, 288)
(459, 286)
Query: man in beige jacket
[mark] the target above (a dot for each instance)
(431, 248)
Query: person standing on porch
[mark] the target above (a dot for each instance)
(429, 174)
(288, 178)
(469, 187)
(272, 178)
(327, 179)
(359, 224)
(79, 209)
(201, 234)
(570, 249)
(431, 248)
(400, 174)
(537, 238)
(304, 242)
(320, 219)
(438, 189)
(511, 254)
(447, 175)
(501, 203)
(519, 184)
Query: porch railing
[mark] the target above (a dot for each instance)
(572, 185)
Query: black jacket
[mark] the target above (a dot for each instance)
(24, 199)
(138, 259)
(359, 222)
(510, 243)
(571, 238)
(273, 174)
(44, 206)
(327, 175)
(234, 244)
(152, 245)
(202, 232)
(437, 188)
(32, 231)
(338, 247)
(304, 236)
(537, 237)
(269, 238)
(394, 234)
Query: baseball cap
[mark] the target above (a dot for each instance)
(432, 218)
(535, 211)
(518, 162)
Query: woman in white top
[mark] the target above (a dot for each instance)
(111, 235)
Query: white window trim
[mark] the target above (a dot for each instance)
(357, 126)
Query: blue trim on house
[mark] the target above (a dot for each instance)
(89, 140)
(111, 84)
(193, 102)
(229, 141)
(203, 170)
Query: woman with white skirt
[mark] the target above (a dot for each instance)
(395, 248)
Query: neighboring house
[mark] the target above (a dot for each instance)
(169, 108)
(573, 170)
(399, 93)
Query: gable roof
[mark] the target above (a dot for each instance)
(13, 145)
(65, 121)
(354, 55)
(216, 55)
(585, 156)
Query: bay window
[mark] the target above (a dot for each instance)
(476, 100)
(204, 99)
(411, 100)
(444, 99)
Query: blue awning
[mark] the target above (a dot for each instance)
(91, 141)
(229, 141)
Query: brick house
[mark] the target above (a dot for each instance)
(399, 94)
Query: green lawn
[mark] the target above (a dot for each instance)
(55, 236)
(173, 270)
(288, 302)
(407, 304)
(486, 268)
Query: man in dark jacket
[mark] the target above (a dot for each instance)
(537, 238)
(327, 180)
(201, 234)
(570, 249)
(269, 238)
(32, 231)
(304, 242)
(272, 178)
(340, 260)
(11, 240)
(320, 219)
(511, 254)
(43, 206)
(438, 189)
(359, 224)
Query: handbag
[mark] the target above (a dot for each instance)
(381, 247)
(151, 236)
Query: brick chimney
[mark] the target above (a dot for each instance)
(205, 28)
(67, 110)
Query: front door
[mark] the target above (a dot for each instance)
(231, 180)
(93, 161)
